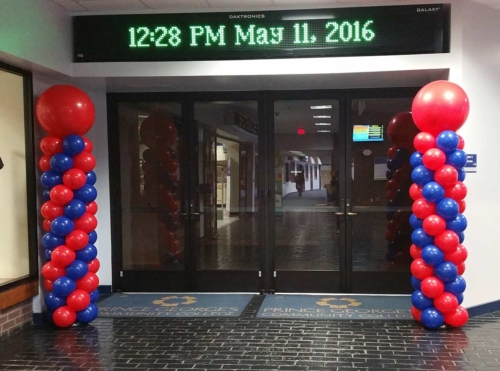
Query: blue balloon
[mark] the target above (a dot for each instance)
(457, 225)
(75, 209)
(457, 158)
(461, 175)
(77, 269)
(432, 318)
(92, 237)
(389, 174)
(51, 241)
(420, 301)
(461, 237)
(61, 162)
(421, 175)
(415, 222)
(433, 192)
(416, 160)
(73, 145)
(401, 154)
(390, 256)
(91, 178)
(46, 194)
(63, 286)
(456, 287)
(460, 298)
(447, 141)
(94, 295)
(53, 302)
(393, 247)
(88, 314)
(87, 193)
(62, 226)
(389, 215)
(447, 208)
(432, 255)
(420, 238)
(415, 282)
(87, 254)
(446, 272)
(393, 164)
(50, 179)
(46, 254)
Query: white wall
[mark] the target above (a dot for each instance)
(481, 81)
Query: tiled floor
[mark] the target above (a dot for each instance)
(252, 344)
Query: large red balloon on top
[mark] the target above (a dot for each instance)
(158, 130)
(64, 109)
(440, 105)
(401, 130)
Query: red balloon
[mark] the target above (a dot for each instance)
(63, 110)
(63, 256)
(74, 178)
(390, 235)
(461, 142)
(457, 256)
(423, 208)
(77, 239)
(88, 145)
(393, 184)
(86, 223)
(434, 158)
(421, 270)
(458, 317)
(446, 302)
(88, 283)
(92, 208)
(400, 218)
(172, 166)
(424, 141)
(447, 176)
(52, 272)
(50, 210)
(461, 206)
(51, 145)
(391, 152)
(173, 206)
(461, 269)
(78, 300)
(457, 191)
(158, 130)
(84, 161)
(447, 241)
(440, 105)
(174, 247)
(173, 177)
(48, 285)
(94, 265)
(61, 195)
(432, 287)
(64, 316)
(416, 314)
(416, 252)
(46, 225)
(434, 225)
(44, 162)
(415, 192)
(402, 130)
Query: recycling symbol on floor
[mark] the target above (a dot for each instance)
(325, 302)
(163, 301)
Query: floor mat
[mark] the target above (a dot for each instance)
(339, 307)
(174, 305)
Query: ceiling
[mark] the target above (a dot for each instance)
(176, 5)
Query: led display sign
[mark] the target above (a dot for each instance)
(414, 29)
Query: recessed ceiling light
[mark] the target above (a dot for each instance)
(322, 117)
(324, 131)
(326, 106)
(322, 124)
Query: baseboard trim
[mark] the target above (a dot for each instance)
(485, 308)
(105, 289)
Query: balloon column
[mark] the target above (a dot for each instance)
(439, 109)
(159, 133)
(67, 113)
(401, 131)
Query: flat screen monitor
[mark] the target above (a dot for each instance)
(368, 133)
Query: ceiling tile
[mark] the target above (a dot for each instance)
(71, 6)
(112, 5)
(239, 3)
(185, 4)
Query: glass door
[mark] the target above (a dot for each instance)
(308, 163)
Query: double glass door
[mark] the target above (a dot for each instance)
(257, 192)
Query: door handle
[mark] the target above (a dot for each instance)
(197, 214)
(340, 214)
(183, 214)
(352, 214)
